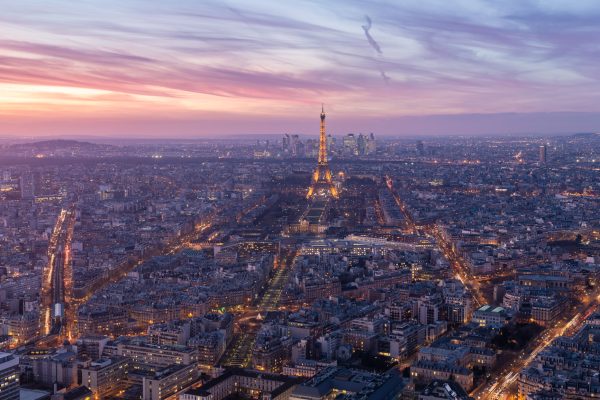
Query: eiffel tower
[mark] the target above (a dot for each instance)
(321, 184)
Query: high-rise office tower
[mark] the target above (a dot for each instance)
(361, 144)
(371, 144)
(294, 144)
(330, 143)
(285, 143)
(543, 154)
(350, 144)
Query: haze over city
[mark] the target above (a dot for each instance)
(213, 68)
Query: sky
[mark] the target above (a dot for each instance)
(202, 68)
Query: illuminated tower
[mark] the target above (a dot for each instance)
(321, 184)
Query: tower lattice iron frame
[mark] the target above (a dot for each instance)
(321, 182)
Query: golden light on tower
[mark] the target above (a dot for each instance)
(321, 183)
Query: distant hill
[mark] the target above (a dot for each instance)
(58, 144)
(58, 148)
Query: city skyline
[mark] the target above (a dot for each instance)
(298, 267)
(309, 200)
(153, 70)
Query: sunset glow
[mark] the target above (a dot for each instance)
(192, 68)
